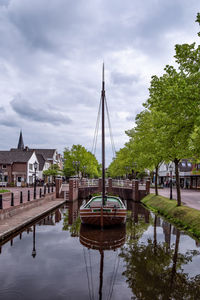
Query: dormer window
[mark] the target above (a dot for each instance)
(3, 166)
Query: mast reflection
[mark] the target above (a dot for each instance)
(101, 240)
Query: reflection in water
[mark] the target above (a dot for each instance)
(148, 258)
(101, 240)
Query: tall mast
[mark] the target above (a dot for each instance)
(103, 138)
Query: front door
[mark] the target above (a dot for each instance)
(19, 180)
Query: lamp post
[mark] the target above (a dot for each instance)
(84, 168)
(76, 164)
(35, 168)
(170, 169)
(34, 249)
(126, 168)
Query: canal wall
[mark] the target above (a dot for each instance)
(14, 210)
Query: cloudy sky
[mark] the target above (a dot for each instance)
(51, 54)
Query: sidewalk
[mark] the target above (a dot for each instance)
(189, 198)
(17, 222)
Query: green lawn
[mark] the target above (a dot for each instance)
(184, 216)
(4, 191)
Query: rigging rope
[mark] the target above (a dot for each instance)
(90, 293)
(96, 130)
(91, 275)
(110, 129)
(113, 278)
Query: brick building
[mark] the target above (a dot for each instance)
(17, 164)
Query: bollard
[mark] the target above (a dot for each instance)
(45, 190)
(12, 200)
(40, 193)
(21, 197)
(34, 194)
(48, 189)
(1, 201)
(28, 195)
(52, 189)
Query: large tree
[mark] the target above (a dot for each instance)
(79, 160)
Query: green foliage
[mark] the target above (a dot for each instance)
(88, 164)
(4, 191)
(53, 170)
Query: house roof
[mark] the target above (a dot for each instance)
(9, 157)
(41, 161)
(46, 153)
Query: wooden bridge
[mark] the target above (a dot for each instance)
(82, 189)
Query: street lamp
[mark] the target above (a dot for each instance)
(84, 168)
(34, 249)
(170, 169)
(76, 164)
(35, 168)
(127, 169)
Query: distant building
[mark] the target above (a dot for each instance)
(17, 164)
(189, 174)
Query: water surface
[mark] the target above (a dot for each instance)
(57, 258)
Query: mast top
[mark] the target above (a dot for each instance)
(103, 82)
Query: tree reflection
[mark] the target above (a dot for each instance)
(154, 270)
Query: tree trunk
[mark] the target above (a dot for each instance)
(176, 161)
(156, 181)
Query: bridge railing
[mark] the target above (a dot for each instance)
(122, 183)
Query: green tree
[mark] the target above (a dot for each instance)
(53, 171)
(87, 162)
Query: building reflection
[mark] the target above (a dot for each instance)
(50, 220)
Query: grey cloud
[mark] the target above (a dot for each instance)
(119, 78)
(8, 121)
(2, 109)
(38, 113)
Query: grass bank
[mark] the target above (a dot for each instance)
(183, 216)
(4, 191)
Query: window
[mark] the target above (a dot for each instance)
(189, 164)
(183, 164)
(30, 167)
(3, 166)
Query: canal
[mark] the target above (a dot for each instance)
(57, 258)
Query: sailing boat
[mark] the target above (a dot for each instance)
(103, 210)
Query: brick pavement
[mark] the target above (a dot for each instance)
(189, 197)
(25, 217)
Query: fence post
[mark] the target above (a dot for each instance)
(45, 190)
(40, 193)
(52, 188)
(21, 197)
(1, 201)
(12, 200)
(48, 189)
(28, 195)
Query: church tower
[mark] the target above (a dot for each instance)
(21, 142)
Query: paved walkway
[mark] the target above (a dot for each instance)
(189, 198)
(17, 222)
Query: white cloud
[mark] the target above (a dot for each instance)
(51, 54)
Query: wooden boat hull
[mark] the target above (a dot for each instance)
(110, 217)
(107, 239)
